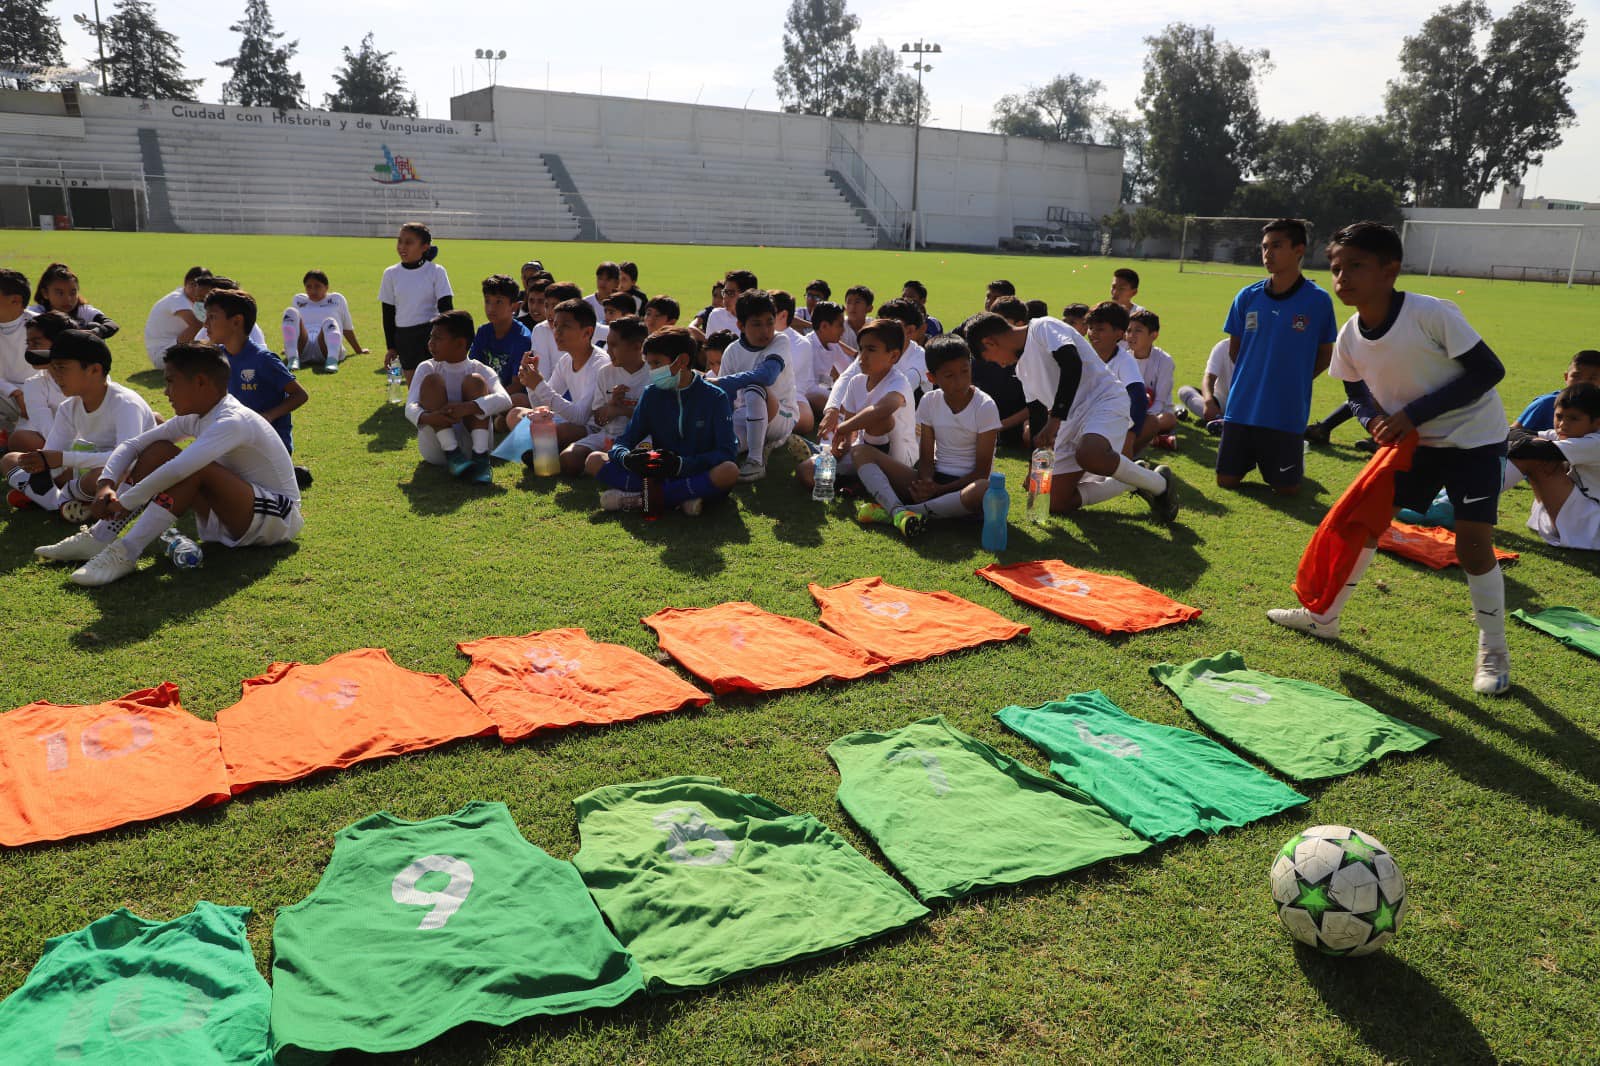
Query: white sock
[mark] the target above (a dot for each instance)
(1510, 477)
(1131, 473)
(154, 521)
(1489, 606)
(291, 334)
(947, 506)
(106, 530)
(480, 441)
(877, 483)
(50, 501)
(447, 438)
(1093, 489)
(1190, 397)
(333, 340)
(755, 419)
(1363, 561)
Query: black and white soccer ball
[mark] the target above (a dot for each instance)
(1338, 890)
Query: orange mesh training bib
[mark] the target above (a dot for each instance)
(1432, 546)
(738, 647)
(295, 719)
(65, 771)
(560, 678)
(902, 626)
(1362, 511)
(1104, 603)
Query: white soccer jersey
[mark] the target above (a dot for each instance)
(721, 318)
(606, 382)
(415, 292)
(1124, 367)
(314, 313)
(901, 440)
(1220, 365)
(1157, 369)
(42, 397)
(739, 359)
(230, 435)
(914, 365)
(569, 391)
(14, 365)
(163, 328)
(955, 433)
(85, 438)
(1412, 357)
(1040, 374)
(496, 402)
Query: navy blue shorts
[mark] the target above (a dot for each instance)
(1279, 455)
(1471, 477)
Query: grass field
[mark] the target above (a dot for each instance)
(1175, 955)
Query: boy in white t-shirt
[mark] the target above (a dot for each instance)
(759, 383)
(1157, 370)
(799, 359)
(94, 416)
(877, 416)
(1108, 327)
(40, 395)
(1412, 364)
(1208, 402)
(175, 318)
(618, 386)
(857, 306)
(607, 278)
(1087, 410)
(451, 394)
(823, 358)
(960, 425)
(1563, 469)
(734, 283)
(413, 292)
(209, 284)
(913, 361)
(568, 388)
(317, 324)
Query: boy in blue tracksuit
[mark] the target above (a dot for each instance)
(689, 425)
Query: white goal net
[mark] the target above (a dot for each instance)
(1499, 251)
(1229, 246)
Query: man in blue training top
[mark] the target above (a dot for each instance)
(689, 425)
(1281, 333)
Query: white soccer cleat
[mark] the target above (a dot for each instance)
(78, 548)
(112, 564)
(617, 500)
(1493, 676)
(752, 469)
(1303, 621)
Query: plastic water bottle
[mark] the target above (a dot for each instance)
(1040, 470)
(396, 382)
(184, 553)
(542, 428)
(996, 507)
(825, 470)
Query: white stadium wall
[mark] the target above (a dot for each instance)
(1497, 244)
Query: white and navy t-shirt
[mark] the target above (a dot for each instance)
(86, 438)
(230, 435)
(570, 391)
(1124, 367)
(1040, 374)
(415, 292)
(901, 440)
(738, 359)
(454, 375)
(1411, 355)
(955, 433)
(314, 313)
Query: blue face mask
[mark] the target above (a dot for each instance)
(663, 377)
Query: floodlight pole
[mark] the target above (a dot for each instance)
(919, 50)
(100, 39)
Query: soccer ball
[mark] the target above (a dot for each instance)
(1338, 890)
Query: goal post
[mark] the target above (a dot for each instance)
(1229, 246)
(1476, 247)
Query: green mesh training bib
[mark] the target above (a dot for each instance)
(1568, 625)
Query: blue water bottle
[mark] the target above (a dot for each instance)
(184, 553)
(996, 508)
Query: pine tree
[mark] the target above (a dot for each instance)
(261, 75)
(369, 85)
(30, 43)
(142, 59)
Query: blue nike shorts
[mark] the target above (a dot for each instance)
(1280, 456)
(1471, 477)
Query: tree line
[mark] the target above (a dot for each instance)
(143, 60)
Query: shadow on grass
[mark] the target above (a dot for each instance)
(1309, 505)
(432, 491)
(22, 531)
(388, 429)
(1395, 1010)
(689, 545)
(156, 594)
(148, 378)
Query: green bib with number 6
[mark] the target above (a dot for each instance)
(417, 927)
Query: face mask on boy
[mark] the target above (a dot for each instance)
(663, 377)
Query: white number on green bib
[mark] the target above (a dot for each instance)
(683, 824)
(445, 901)
(1237, 691)
(930, 763)
(1113, 743)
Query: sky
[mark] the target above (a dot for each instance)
(724, 55)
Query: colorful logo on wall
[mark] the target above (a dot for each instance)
(394, 170)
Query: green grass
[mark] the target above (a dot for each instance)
(1175, 955)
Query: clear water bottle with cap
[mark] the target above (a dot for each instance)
(1040, 469)
(825, 471)
(184, 553)
(396, 382)
(996, 507)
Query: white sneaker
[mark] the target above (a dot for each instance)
(1493, 677)
(752, 470)
(78, 548)
(692, 506)
(617, 500)
(1303, 621)
(113, 563)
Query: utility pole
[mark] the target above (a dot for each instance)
(920, 65)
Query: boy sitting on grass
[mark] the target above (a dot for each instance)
(502, 341)
(569, 388)
(956, 450)
(857, 306)
(1108, 327)
(617, 390)
(317, 324)
(688, 423)
(1563, 467)
(759, 380)
(876, 414)
(452, 395)
(235, 475)
(259, 380)
(1157, 370)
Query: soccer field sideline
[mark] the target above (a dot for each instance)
(337, 590)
